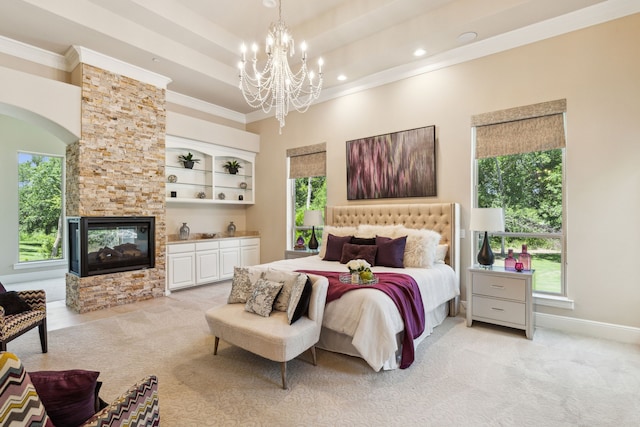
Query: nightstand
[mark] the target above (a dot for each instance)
(501, 297)
(299, 253)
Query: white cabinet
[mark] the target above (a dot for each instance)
(229, 257)
(249, 252)
(207, 262)
(181, 266)
(208, 181)
(501, 297)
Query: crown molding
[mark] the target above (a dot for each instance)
(33, 54)
(78, 54)
(205, 107)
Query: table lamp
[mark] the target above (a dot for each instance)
(486, 219)
(312, 219)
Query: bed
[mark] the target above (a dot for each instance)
(366, 323)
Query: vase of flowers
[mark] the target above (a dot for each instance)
(360, 271)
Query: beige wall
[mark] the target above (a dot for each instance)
(596, 69)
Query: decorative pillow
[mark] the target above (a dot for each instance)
(69, 396)
(299, 302)
(371, 231)
(334, 247)
(263, 296)
(290, 281)
(390, 251)
(441, 253)
(336, 231)
(363, 240)
(19, 401)
(244, 278)
(421, 248)
(365, 252)
(12, 303)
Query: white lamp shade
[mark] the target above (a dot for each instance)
(487, 219)
(312, 218)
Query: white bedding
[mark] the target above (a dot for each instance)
(369, 316)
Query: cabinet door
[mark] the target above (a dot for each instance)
(229, 258)
(250, 255)
(207, 266)
(181, 272)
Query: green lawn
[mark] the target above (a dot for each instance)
(547, 267)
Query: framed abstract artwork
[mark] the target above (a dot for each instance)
(394, 165)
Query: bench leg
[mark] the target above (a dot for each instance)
(283, 371)
(313, 354)
(215, 346)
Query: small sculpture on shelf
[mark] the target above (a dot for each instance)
(187, 160)
(232, 166)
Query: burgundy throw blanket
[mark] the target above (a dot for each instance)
(403, 291)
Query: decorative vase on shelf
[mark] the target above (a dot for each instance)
(525, 259)
(184, 231)
(231, 228)
(510, 261)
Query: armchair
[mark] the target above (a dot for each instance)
(12, 325)
(62, 399)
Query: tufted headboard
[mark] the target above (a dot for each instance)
(441, 217)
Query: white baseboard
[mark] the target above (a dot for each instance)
(609, 331)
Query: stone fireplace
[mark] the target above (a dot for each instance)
(117, 169)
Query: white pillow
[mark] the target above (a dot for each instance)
(441, 253)
(420, 250)
(367, 231)
(336, 231)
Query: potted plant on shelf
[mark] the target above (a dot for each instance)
(187, 160)
(232, 166)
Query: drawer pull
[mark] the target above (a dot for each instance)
(497, 309)
(497, 287)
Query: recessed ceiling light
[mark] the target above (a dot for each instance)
(419, 52)
(342, 77)
(467, 37)
(269, 3)
(154, 59)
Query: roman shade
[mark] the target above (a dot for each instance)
(310, 160)
(537, 127)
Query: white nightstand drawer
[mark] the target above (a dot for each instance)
(500, 287)
(505, 311)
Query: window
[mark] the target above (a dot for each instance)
(40, 207)
(520, 168)
(308, 189)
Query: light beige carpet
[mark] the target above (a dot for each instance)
(480, 376)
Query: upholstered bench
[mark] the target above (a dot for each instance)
(271, 337)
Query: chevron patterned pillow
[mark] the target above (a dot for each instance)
(19, 402)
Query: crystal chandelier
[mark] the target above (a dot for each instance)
(276, 85)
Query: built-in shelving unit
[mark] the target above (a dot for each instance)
(208, 181)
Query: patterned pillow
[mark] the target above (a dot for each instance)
(244, 279)
(290, 281)
(336, 231)
(420, 250)
(263, 296)
(299, 303)
(19, 401)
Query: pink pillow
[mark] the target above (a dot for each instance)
(390, 251)
(365, 252)
(334, 247)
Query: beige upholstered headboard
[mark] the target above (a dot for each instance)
(441, 217)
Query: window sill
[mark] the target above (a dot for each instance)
(553, 301)
(39, 264)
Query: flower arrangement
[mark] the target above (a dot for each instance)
(360, 267)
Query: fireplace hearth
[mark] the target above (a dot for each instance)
(105, 245)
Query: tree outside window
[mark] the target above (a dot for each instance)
(310, 193)
(40, 207)
(529, 187)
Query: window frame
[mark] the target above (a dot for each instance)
(561, 236)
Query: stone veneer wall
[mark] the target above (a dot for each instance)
(117, 169)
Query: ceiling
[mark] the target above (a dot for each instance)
(196, 43)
